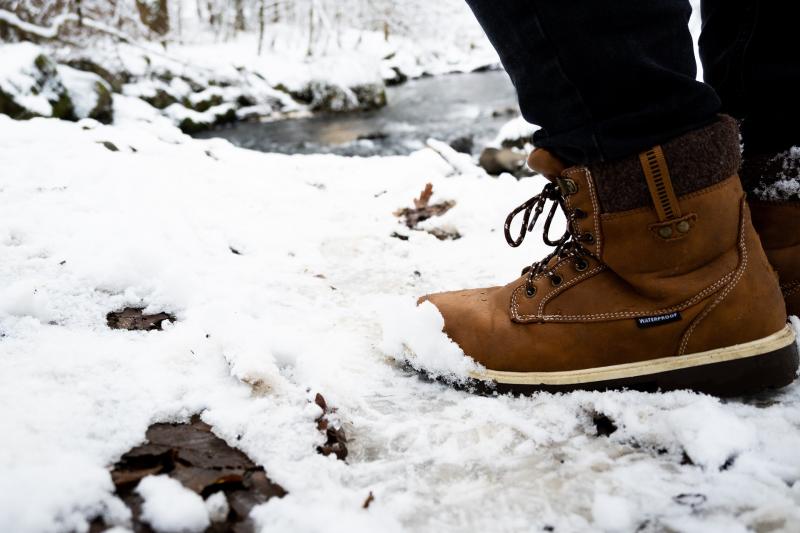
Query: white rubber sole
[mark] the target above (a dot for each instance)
(766, 345)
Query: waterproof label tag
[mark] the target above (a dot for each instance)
(657, 320)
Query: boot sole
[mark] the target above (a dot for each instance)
(770, 362)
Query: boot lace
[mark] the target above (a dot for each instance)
(568, 245)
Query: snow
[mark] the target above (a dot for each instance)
(217, 507)
(82, 89)
(784, 184)
(426, 347)
(320, 299)
(178, 113)
(513, 130)
(170, 508)
(612, 513)
(21, 79)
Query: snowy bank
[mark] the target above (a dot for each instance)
(202, 82)
(279, 271)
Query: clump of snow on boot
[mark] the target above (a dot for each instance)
(783, 181)
(414, 334)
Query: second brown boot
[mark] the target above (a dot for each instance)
(775, 204)
(778, 225)
(677, 294)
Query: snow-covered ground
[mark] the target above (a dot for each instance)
(85, 230)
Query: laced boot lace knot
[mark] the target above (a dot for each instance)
(568, 245)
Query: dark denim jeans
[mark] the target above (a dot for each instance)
(607, 79)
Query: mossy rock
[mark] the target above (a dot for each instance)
(194, 85)
(331, 98)
(399, 77)
(46, 81)
(304, 95)
(370, 96)
(45, 65)
(160, 100)
(115, 80)
(227, 117)
(204, 105)
(104, 108)
(63, 108)
(62, 103)
(245, 100)
(189, 126)
(9, 107)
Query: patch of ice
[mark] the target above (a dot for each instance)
(169, 507)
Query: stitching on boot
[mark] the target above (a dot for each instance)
(632, 314)
(540, 316)
(739, 273)
(595, 204)
(552, 294)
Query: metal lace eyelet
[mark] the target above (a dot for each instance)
(581, 265)
(567, 186)
(588, 237)
(579, 213)
(530, 291)
(556, 280)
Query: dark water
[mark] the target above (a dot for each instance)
(443, 107)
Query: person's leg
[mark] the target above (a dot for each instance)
(604, 80)
(751, 56)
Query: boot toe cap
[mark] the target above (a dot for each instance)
(467, 318)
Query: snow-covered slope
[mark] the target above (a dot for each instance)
(95, 218)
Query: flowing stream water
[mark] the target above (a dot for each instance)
(471, 107)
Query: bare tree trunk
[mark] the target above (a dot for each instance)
(310, 50)
(155, 15)
(260, 25)
(180, 20)
(80, 13)
(238, 21)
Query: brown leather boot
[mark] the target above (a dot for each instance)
(778, 225)
(677, 294)
(772, 181)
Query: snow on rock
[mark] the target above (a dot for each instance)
(169, 507)
(30, 84)
(90, 94)
(517, 132)
(191, 121)
(308, 303)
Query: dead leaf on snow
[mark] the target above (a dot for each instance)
(134, 319)
(203, 463)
